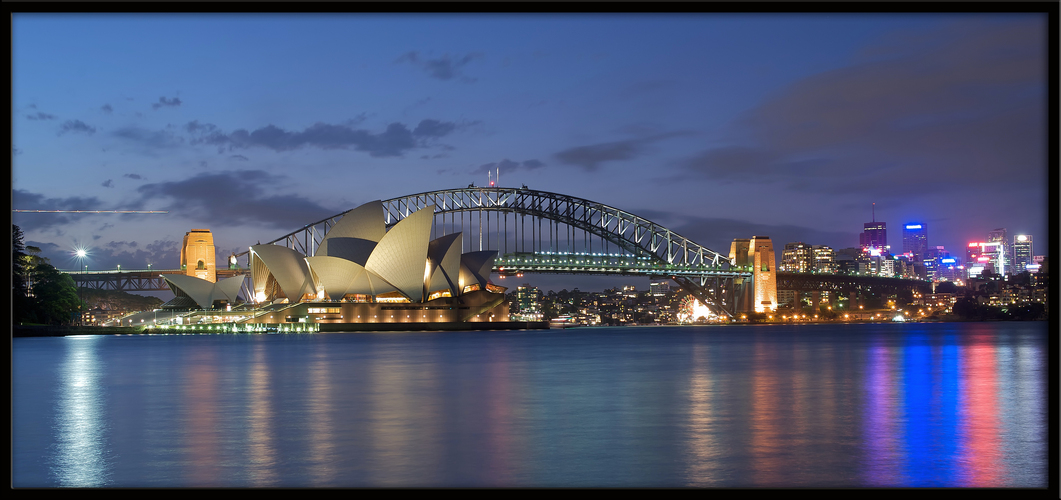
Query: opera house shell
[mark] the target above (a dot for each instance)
(363, 273)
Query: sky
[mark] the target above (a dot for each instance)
(717, 126)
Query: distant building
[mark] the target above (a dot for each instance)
(659, 288)
(528, 304)
(824, 259)
(874, 235)
(1003, 262)
(915, 239)
(1022, 252)
(984, 256)
(797, 257)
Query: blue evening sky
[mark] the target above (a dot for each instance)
(719, 126)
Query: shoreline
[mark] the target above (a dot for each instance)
(26, 331)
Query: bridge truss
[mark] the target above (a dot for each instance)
(528, 226)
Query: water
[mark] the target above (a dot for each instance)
(951, 404)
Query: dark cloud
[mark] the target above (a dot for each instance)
(40, 116)
(239, 158)
(150, 139)
(106, 108)
(508, 166)
(108, 183)
(394, 141)
(590, 157)
(434, 128)
(917, 114)
(133, 176)
(443, 68)
(237, 198)
(76, 126)
(162, 101)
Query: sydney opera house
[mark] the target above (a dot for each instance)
(362, 273)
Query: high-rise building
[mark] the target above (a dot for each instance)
(659, 288)
(797, 257)
(915, 240)
(529, 303)
(824, 259)
(1003, 266)
(874, 234)
(1022, 252)
(984, 256)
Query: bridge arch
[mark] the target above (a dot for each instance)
(654, 250)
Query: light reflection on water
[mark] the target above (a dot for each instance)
(81, 456)
(953, 405)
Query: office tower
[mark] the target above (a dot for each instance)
(874, 234)
(824, 259)
(984, 256)
(1022, 252)
(797, 257)
(1003, 262)
(915, 239)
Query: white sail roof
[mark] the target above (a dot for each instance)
(400, 258)
(288, 267)
(444, 259)
(204, 292)
(476, 267)
(339, 277)
(355, 235)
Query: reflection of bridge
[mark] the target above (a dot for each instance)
(541, 232)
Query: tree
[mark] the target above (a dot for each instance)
(55, 298)
(19, 290)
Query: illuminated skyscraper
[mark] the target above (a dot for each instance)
(874, 234)
(797, 257)
(915, 239)
(824, 259)
(1022, 252)
(1003, 261)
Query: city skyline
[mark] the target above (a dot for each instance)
(682, 119)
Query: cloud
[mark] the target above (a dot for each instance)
(508, 166)
(592, 156)
(162, 101)
(395, 140)
(108, 183)
(443, 68)
(133, 176)
(919, 113)
(239, 158)
(149, 139)
(40, 116)
(237, 198)
(76, 126)
(106, 108)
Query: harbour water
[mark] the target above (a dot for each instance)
(872, 405)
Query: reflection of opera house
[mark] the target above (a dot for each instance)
(364, 273)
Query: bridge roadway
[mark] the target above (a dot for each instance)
(557, 263)
(136, 280)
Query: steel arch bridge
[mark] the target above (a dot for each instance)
(565, 235)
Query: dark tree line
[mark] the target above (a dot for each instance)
(40, 293)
